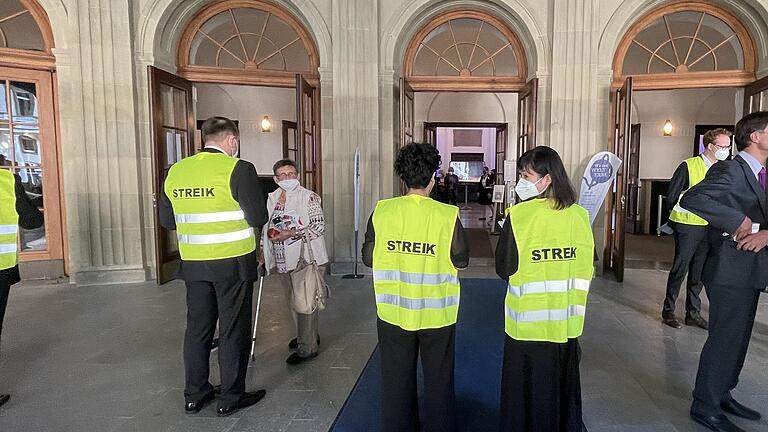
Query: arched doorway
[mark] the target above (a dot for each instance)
(469, 51)
(255, 63)
(28, 132)
(682, 46)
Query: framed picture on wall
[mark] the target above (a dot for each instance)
(698, 137)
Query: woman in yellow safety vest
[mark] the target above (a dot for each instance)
(545, 252)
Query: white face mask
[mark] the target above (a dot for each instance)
(289, 184)
(526, 189)
(722, 154)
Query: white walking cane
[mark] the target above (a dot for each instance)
(262, 275)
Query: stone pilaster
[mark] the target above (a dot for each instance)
(575, 97)
(98, 135)
(355, 117)
(579, 97)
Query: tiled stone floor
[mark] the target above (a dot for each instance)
(109, 359)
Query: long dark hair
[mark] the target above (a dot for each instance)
(543, 160)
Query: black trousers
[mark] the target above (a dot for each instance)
(541, 387)
(229, 302)
(5, 289)
(399, 403)
(731, 317)
(691, 247)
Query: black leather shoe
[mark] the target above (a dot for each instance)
(295, 358)
(697, 321)
(671, 321)
(4, 398)
(739, 410)
(294, 343)
(195, 407)
(718, 423)
(246, 400)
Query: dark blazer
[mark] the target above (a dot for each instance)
(247, 191)
(727, 194)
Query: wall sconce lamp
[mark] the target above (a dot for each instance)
(266, 124)
(667, 128)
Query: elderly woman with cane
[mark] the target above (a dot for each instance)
(294, 212)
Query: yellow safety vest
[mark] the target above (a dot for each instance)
(9, 221)
(210, 224)
(697, 170)
(416, 284)
(547, 297)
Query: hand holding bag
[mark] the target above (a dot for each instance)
(308, 290)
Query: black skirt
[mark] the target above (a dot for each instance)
(541, 387)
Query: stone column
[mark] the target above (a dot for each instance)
(579, 99)
(355, 118)
(575, 91)
(98, 137)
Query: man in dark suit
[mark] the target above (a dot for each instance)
(28, 217)
(215, 203)
(732, 199)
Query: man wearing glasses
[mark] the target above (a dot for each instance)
(691, 244)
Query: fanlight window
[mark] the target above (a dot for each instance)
(684, 41)
(250, 39)
(466, 47)
(18, 28)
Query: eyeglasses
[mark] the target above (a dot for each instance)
(289, 174)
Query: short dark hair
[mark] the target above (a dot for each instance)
(284, 163)
(749, 123)
(416, 163)
(215, 127)
(544, 160)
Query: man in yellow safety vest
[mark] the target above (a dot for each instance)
(215, 203)
(691, 244)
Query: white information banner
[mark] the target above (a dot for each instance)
(597, 181)
(357, 189)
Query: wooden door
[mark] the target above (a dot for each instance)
(290, 143)
(406, 113)
(756, 96)
(29, 149)
(617, 204)
(633, 179)
(173, 129)
(308, 134)
(430, 134)
(407, 122)
(501, 152)
(526, 117)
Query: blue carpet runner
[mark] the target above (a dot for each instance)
(479, 351)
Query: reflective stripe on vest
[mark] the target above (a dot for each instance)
(207, 239)
(417, 304)
(210, 224)
(543, 287)
(415, 282)
(6, 248)
(545, 314)
(210, 217)
(9, 229)
(9, 221)
(547, 297)
(697, 170)
(415, 278)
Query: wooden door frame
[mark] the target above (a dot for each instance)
(48, 122)
(619, 182)
(156, 74)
